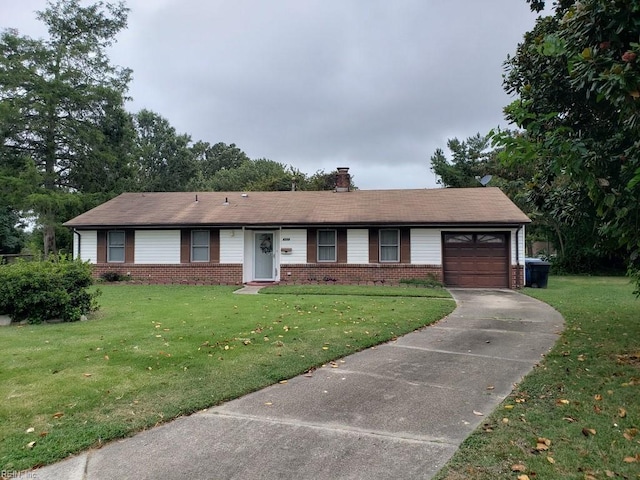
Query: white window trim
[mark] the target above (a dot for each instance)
(208, 246)
(124, 246)
(397, 245)
(334, 245)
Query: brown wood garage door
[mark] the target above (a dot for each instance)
(476, 259)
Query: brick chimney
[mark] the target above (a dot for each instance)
(343, 179)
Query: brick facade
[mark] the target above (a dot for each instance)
(231, 274)
(189, 273)
(357, 274)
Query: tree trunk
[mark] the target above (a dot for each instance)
(49, 234)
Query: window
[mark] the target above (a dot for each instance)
(115, 246)
(326, 245)
(389, 245)
(458, 238)
(200, 246)
(491, 238)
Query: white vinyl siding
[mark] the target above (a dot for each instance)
(521, 247)
(357, 245)
(327, 245)
(231, 246)
(296, 240)
(88, 245)
(426, 246)
(157, 247)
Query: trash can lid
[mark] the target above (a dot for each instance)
(532, 260)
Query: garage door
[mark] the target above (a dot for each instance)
(478, 260)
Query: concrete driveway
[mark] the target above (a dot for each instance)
(399, 410)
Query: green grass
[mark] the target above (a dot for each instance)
(584, 397)
(386, 291)
(153, 353)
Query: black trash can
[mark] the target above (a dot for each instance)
(536, 273)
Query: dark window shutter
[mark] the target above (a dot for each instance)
(129, 246)
(214, 246)
(185, 246)
(405, 245)
(102, 246)
(312, 245)
(373, 245)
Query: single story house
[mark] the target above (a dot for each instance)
(465, 237)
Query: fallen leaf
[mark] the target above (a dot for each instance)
(44, 434)
(58, 415)
(31, 444)
(490, 387)
(479, 414)
(87, 374)
(626, 459)
(569, 419)
(598, 397)
(268, 403)
(518, 467)
(543, 444)
(325, 348)
(630, 433)
(588, 431)
(588, 476)
(106, 357)
(551, 460)
(505, 420)
(523, 477)
(283, 382)
(581, 358)
(30, 430)
(562, 401)
(508, 407)
(622, 412)
(597, 409)
(609, 473)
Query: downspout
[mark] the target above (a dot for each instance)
(79, 243)
(517, 285)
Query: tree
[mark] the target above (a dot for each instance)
(55, 95)
(164, 160)
(471, 161)
(578, 80)
(11, 236)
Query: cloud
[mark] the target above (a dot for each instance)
(374, 85)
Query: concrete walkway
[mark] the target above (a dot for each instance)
(399, 410)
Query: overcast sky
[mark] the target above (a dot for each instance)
(374, 85)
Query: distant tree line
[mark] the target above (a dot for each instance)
(68, 143)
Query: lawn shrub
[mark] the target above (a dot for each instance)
(45, 290)
(113, 276)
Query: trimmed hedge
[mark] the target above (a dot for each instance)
(46, 290)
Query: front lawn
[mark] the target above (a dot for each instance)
(577, 415)
(152, 353)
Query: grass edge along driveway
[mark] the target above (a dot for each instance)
(153, 353)
(577, 415)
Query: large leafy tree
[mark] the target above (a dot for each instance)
(577, 77)
(56, 97)
(163, 159)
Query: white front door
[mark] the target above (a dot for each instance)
(263, 256)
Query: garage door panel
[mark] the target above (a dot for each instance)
(476, 260)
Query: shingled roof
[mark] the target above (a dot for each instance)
(429, 207)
